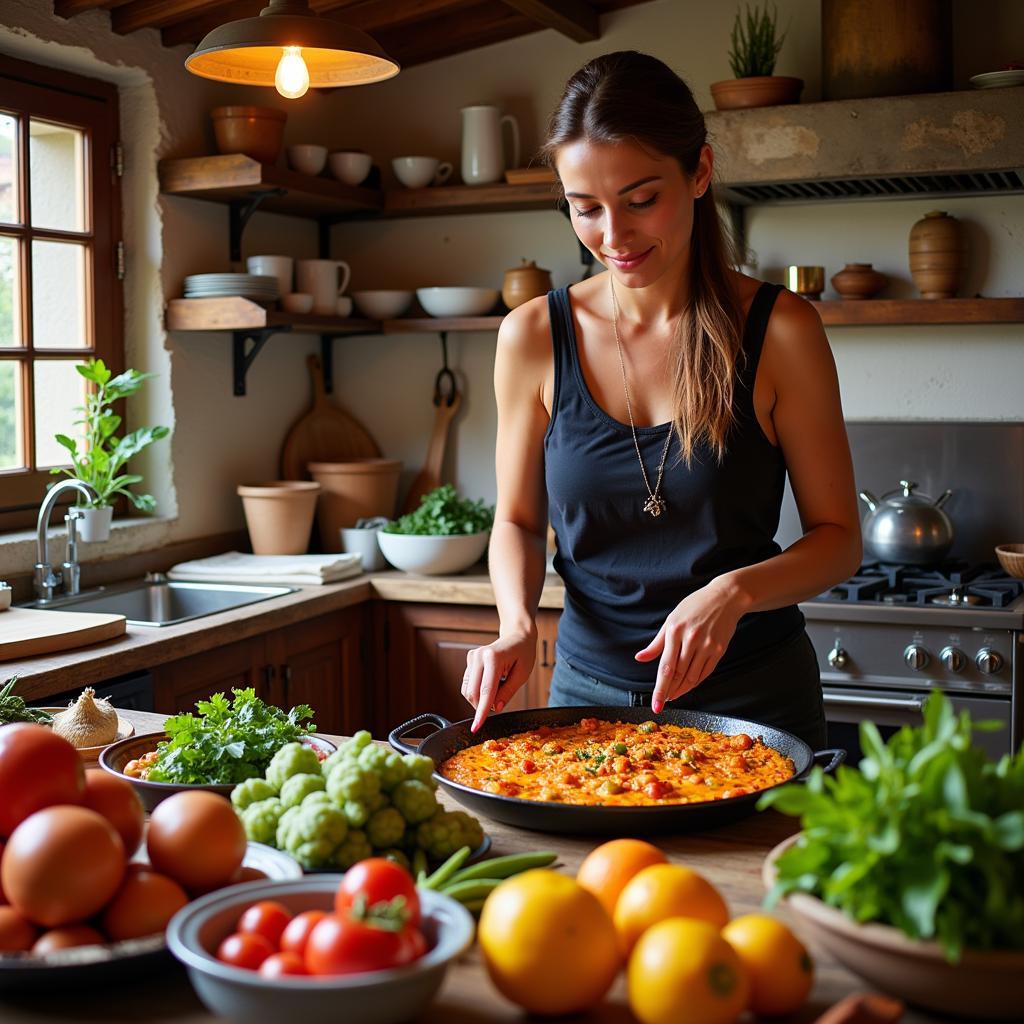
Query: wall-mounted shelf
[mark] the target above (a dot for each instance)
(910, 312)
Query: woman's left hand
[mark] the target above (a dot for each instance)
(692, 640)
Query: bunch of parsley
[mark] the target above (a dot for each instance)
(442, 513)
(228, 741)
(926, 835)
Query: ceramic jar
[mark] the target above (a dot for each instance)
(525, 282)
(858, 281)
(938, 254)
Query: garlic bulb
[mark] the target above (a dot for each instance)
(88, 722)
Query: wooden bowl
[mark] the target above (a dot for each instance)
(984, 985)
(255, 131)
(114, 758)
(1011, 558)
(91, 755)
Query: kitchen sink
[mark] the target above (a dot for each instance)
(161, 602)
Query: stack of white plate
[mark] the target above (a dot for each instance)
(258, 287)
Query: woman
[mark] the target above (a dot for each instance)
(652, 412)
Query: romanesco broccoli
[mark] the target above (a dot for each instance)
(415, 800)
(298, 787)
(386, 763)
(260, 820)
(349, 781)
(283, 824)
(385, 828)
(355, 847)
(419, 767)
(398, 856)
(291, 759)
(446, 831)
(251, 791)
(313, 836)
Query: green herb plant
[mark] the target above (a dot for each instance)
(754, 44)
(104, 454)
(14, 709)
(442, 513)
(927, 835)
(229, 741)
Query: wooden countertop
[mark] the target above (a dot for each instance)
(142, 647)
(730, 857)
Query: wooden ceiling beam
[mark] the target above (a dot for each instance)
(371, 15)
(153, 13)
(191, 30)
(69, 8)
(573, 18)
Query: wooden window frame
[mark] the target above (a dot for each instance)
(30, 90)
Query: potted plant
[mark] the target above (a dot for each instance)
(755, 46)
(104, 454)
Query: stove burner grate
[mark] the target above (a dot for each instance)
(950, 585)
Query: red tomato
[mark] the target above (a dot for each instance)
(296, 935)
(247, 951)
(267, 918)
(118, 802)
(378, 880)
(3, 898)
(343, 945)
(281, 965)
(37, 769)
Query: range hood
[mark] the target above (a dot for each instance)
(892, 147)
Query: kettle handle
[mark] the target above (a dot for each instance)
(908, 487)
(943, 498)
(869, 499)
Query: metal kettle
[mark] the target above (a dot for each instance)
(902, 526)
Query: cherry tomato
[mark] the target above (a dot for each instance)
(267, 918)
(283, 964)
(37, 769)
(378, 880)
(296, 935)
(343, 945)
(247, 951)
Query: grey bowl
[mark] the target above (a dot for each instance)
(374, 997)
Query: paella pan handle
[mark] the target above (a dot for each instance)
(395, 736)
(830, 759)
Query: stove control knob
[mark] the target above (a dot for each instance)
(988, 661)
(953, 658)
(916, 657)
(838, 658)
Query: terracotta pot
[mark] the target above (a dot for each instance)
(938, 255)
(858, 281)
(756, 91)
(279, 515)
(354, 490)
(255, 131)
(525, 282)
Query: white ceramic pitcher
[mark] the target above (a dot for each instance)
(483, 156)
(319, 278)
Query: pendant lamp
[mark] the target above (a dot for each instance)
(289, 47)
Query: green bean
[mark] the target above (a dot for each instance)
(505, 867)
(474, 906)
(419, 865)
(473, 889)
(448, 868)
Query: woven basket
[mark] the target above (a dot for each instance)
(1011, 558)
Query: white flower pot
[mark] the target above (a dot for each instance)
(94, 523)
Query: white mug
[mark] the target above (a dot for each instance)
(320, 279)
(363, 542)
(420, 171)
(483, 156)
(274, 266)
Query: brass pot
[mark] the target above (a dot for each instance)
(525, 282)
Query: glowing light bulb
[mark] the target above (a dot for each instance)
(292, 76)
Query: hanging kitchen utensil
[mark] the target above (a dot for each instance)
(447, 400)
(326, 433)
(904, 527)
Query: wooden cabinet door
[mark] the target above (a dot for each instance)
(179, 684)
(535, 693)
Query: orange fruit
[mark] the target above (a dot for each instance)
(608, 867)
(547, 943)
(662, 891)
(780, 969)
(682, 971)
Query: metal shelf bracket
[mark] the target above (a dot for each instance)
(242, 359)
(240, 210)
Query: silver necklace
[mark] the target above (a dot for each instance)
(655, 503)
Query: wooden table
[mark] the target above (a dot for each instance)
(731, 857)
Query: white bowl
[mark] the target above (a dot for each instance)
(297, 302)
(457, 301)
(307, 158)
(371, 997)
(433, 556)
(350, 166)
(382, 303)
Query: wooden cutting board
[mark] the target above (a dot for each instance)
(327, 433)
(25, 632)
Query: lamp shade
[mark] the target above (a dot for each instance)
(248, 51)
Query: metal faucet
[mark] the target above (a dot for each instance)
(46, 580)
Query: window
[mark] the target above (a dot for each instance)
(60, 293)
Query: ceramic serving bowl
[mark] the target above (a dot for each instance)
(433, 556)
(984, 985)
(114, 758)
(457, 301)
(307, 158)
(382, 303)
(373, 997)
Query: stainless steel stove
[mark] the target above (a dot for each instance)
(890, 634)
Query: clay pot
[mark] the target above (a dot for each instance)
(525, 282)
(858, 281)
(756, 91)
(255, 131)
(938, 255)
(353, 490)
(279, 515)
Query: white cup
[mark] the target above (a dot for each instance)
(364, 543)
(320, 279)
(344, 307)
(350, 166)
(307, 157)
(297, 302)
(274, 266)
(420, 171)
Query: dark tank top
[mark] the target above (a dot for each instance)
(624, 571)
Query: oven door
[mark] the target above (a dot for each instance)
(847, 707)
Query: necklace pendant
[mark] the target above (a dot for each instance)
(654, 505)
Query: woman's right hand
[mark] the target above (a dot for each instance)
(495, 672)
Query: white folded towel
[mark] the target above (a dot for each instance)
(237, 567)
